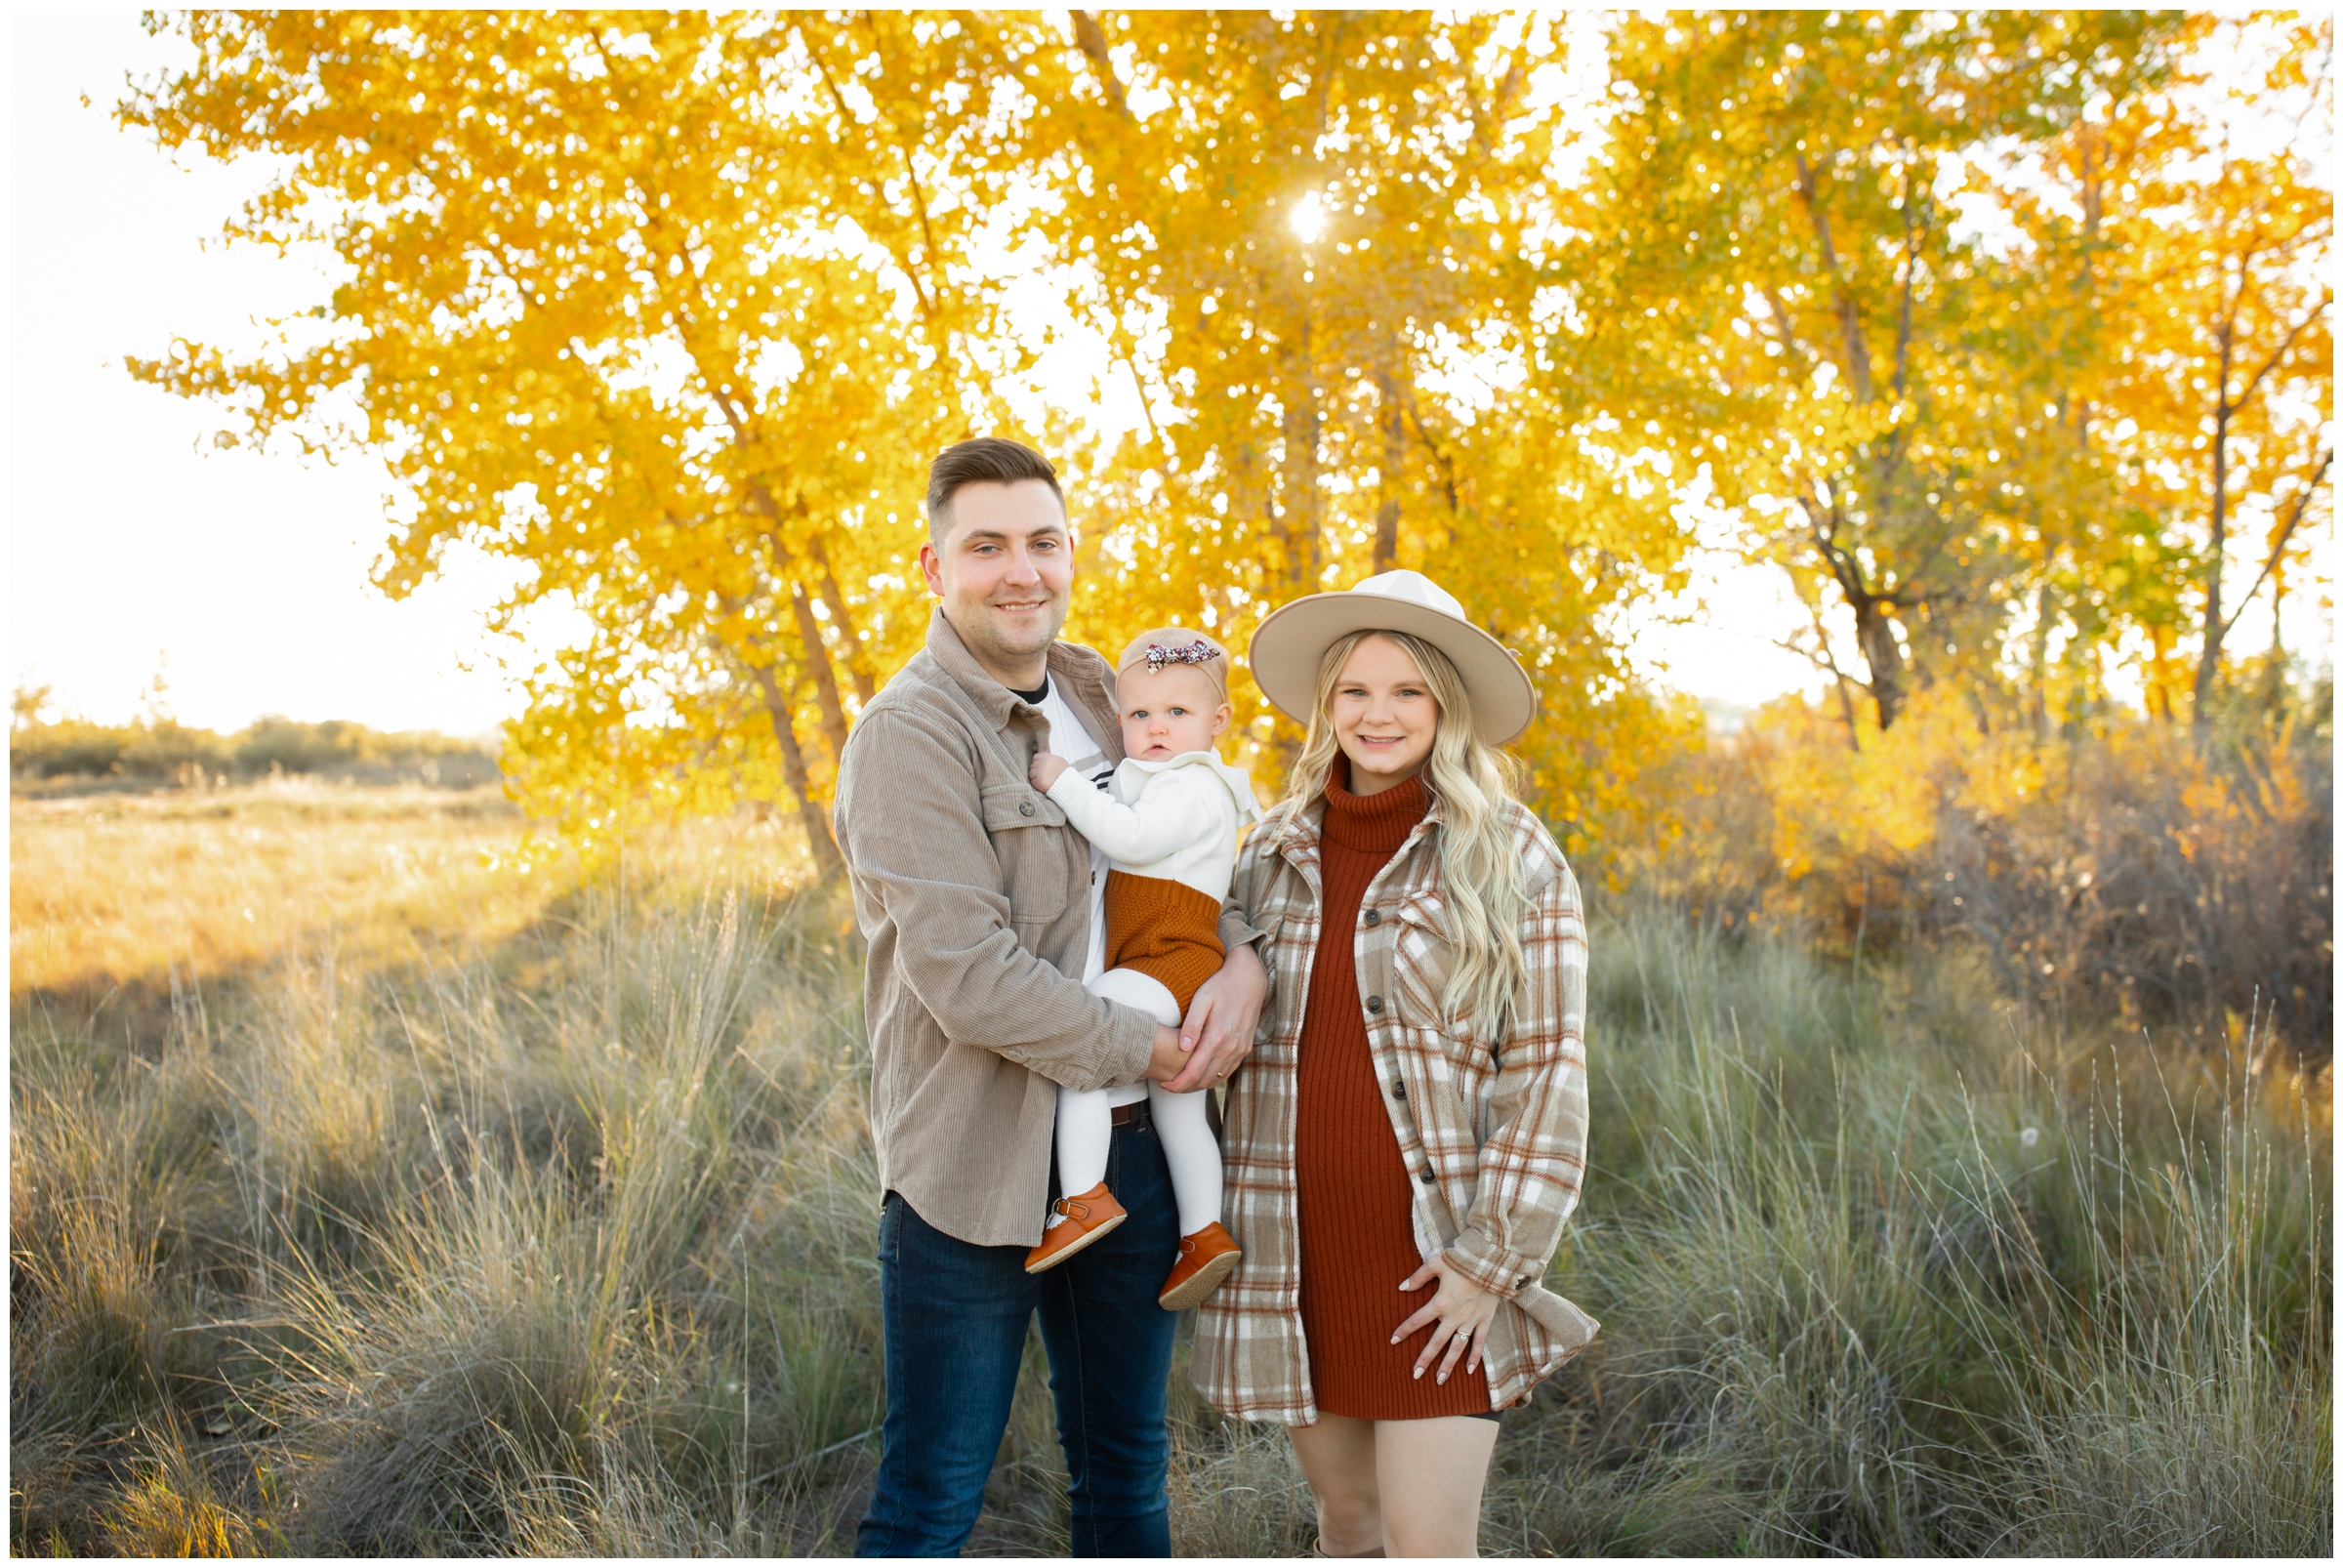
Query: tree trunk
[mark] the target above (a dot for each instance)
(1875, 627)
(2208, 663)
(827, 860)
(2039, 664)
(809, 630)
(1302, 437)
(817, 659)
(1874, 635)
(858, 668)
(1392, 468)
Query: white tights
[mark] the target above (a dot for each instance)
(1086, 1121)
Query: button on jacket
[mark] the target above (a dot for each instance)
(1495, 1131)
(972, 891)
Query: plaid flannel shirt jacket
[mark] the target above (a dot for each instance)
(1495, 1131)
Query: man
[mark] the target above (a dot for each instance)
(982, 907)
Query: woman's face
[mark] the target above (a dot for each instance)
(1383, 715)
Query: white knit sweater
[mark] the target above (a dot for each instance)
(1176, 819)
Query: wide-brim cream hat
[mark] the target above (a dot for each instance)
(1290, 646)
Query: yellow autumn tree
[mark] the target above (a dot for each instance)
(1975, 322)
(2213, 247)
(673, 311)
(1321, 244)
(669, 309)
(1829, 333)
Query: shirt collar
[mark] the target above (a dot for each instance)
(1281, 832)
(1076, 675)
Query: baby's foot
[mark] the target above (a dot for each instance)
(1075, 1223)
(1206, 1259)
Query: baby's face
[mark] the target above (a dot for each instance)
(1169, 711)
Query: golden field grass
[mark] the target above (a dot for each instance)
(449, 1206)
(119, 889)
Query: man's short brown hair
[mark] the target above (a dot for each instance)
(986, 459)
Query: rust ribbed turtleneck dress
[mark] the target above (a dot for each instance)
(1357, 1240)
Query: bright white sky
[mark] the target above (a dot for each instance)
(135, 548)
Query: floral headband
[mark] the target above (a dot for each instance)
(1197, 652)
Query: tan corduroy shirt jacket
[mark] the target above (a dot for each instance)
(1494, 1132)
(974, 895)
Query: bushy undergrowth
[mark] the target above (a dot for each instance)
(2128, 869)
(162, 750)
(2151, 881)
(566, 1246)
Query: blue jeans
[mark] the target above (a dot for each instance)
(955, 1317)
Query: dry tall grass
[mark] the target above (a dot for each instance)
(117, 891)
(556, 1237)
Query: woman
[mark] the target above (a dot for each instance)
(1407, 1137)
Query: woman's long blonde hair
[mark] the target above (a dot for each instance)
(1480, 866)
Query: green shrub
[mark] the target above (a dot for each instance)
(70, 746)
(168, 750)
(162, 752)
(289, 746)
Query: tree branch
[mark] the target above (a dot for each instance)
(838, 100)
(1787, 333)
(2275, 355)
(1911, 268)
(1850, 318)
(2286, 536)
(1090, 39)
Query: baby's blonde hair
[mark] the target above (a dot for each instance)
(1213, 666)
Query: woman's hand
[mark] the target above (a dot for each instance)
(1046, 766)
(1463, 1309)
(1222, 1015)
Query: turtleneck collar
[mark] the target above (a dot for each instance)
(1378, 824)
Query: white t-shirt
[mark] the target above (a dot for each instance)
(1071, 738)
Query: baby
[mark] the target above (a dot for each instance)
(1170, 832)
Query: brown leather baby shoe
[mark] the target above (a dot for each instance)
(1206, 1259)
(1088, 1215)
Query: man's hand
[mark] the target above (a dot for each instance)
(1217, 1032)
(1046, 766)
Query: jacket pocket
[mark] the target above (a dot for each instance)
(1416, 942)
(1031, 840)
(1421, 964)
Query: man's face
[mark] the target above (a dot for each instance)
(1005, 573)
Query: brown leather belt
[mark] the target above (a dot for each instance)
(1126, 1115)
